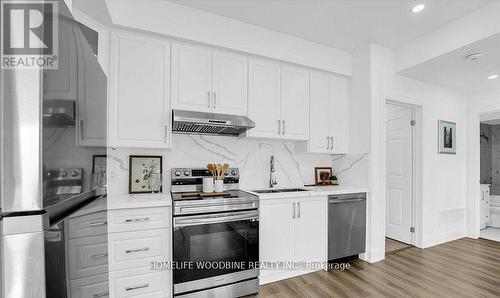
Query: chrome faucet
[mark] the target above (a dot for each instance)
(272, 179)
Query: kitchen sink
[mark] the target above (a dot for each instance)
(282, 190)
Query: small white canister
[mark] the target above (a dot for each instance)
(208, 184)
(219, 185)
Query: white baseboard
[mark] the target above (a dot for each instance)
(373, 256)
(284, 274)
(433, 240)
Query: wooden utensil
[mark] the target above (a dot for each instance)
(225, 168)
(212, 169)
(219, 171)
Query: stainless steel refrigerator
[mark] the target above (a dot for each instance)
(52, 166)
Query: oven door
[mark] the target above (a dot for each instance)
(215, 249)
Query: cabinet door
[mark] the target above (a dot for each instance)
(310, 230)
(139, 92)
(320, 113)
(295, 102)
(264, 98)
(230, 81)
(276, 233)
(92, 97)
(340, 113)
(61, 83)
(191, 78)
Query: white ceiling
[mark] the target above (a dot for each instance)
(342, 24)
(452, 71)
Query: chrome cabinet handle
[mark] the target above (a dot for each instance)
(331, 143)
(99, 256)
(279, 127)
(99, 295)
(283, 126)
(137, 220)
(298, 205)
(81, 130)
(328, 143)
(98, 223)
(129, 251)
(137, 287)
(209, 101)
(215, 99)
(293, 216)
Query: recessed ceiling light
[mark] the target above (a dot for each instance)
(492, 77)
(418, 8)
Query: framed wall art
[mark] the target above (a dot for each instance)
(145, 174)
(447, 137)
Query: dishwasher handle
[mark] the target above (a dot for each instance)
(337, 201)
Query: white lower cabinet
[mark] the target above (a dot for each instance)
(95, 286)
(136, 237)
(292, 230)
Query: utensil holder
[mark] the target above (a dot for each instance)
(219, 185)
(208, 184)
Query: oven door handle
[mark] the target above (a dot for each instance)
(214, 218)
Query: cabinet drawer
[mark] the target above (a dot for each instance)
(92, 224)
(90, 287)
(88, 256)
(140, 282)
(127, 220)
(129, 250)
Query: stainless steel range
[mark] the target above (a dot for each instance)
(216, 237)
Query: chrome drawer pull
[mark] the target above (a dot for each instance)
(99, 295)
(98, 223)
(137, 288)
(98, 256)
(137, 220)
(129, 251)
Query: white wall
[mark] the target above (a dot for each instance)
(174, 20)
(477, 104)
(443, 177)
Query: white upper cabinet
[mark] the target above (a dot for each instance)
(329, 113)
(139, 114)
(62, 83)
(92, 98)
(207, 80)
(191, 78)
(295, 102)
(264, 98)
(278, 100)
(230, 83)
(340, 114)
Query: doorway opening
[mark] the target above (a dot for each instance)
(400, 176)
(489, 206)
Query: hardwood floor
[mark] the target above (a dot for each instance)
(462, 268)
(392, 245)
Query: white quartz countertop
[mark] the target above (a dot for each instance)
(125, 201)
(313, 191)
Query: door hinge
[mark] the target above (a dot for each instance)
(412, 230)
(413, 122)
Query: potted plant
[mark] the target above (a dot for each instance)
(333, 180)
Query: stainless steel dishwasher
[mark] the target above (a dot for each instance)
(346, 225)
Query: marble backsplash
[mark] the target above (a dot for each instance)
(252, 157)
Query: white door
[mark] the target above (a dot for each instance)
(92, 98)
(339, 113)
(139, 92)
(310, 230)
(295, 102)
(264, 98)
(230, 83)
(191, 78)
(276, 233)
(399, 173)
(320, 113)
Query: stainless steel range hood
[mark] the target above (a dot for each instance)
(186, 122)
(59, 113)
